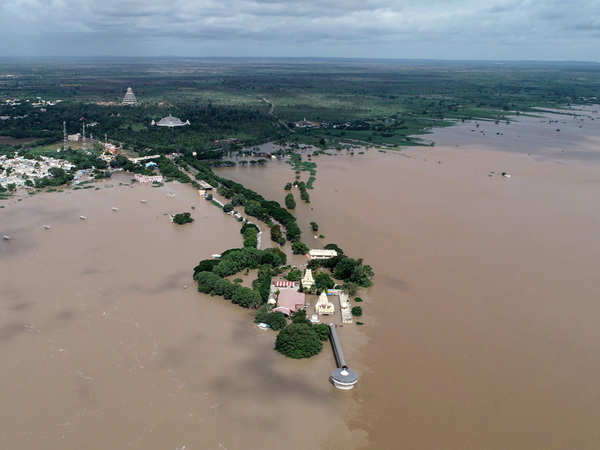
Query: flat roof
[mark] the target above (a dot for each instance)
(290, 299)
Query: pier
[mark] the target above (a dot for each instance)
(343, 377)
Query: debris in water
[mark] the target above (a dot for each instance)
(46, 227)
(143, 201)
(83, 217)
(6, 237)
(506, 175)
(114, 208)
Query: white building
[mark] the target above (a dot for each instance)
(324, 306)
(308, 281)
(74, 137)
(322, 254)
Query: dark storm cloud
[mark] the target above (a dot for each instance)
(382, 28)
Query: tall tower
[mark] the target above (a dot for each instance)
(129, 98)
(64, 135)
(83, 146)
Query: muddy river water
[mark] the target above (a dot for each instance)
(482, 325)
(480, 331)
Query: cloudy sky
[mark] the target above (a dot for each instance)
(446, 29)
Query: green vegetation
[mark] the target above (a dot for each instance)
(228, 207)
(182, 218)
(276, 235)
(57, 177)
(294, 274)
(322, 331)
(290, 203)
(299, 248)
(356, 311)
(250, 232)
(314, 226)
(262, 284)
(358, 299)
(298, 340)
(323, 281)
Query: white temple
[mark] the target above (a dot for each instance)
(308, 281)
(324, 306)
(129, 98)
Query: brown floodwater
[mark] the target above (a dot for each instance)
(105, 342)
(482, 326)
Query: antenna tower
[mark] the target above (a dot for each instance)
(83, 146)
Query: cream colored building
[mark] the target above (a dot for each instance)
(324, 306)
(322, 254)
(308, 281)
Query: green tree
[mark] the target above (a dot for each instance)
(322, 330)
(299, 248)
(323, 281)
(290, 203)
(298, 340)
(276, 320)
(228, 207)
(182, 218)
(356, 311)
(294, 274)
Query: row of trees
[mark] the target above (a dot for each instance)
(213, 284)
(234, 260)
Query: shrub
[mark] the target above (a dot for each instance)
(182, 218)
(357, 311)
(276, 320)
(358, 299)
(228, 207)
(314, 226)
(290, 203)
(298, 340)
(262, 314)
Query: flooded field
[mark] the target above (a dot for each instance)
(106, 343)
(482, 324)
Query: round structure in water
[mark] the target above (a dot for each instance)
(344, 378)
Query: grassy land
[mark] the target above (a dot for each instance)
(358, 101)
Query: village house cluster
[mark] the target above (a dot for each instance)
(18, 170)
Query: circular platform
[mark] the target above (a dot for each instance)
(344, 378)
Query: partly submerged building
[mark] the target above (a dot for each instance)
(129, 98)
